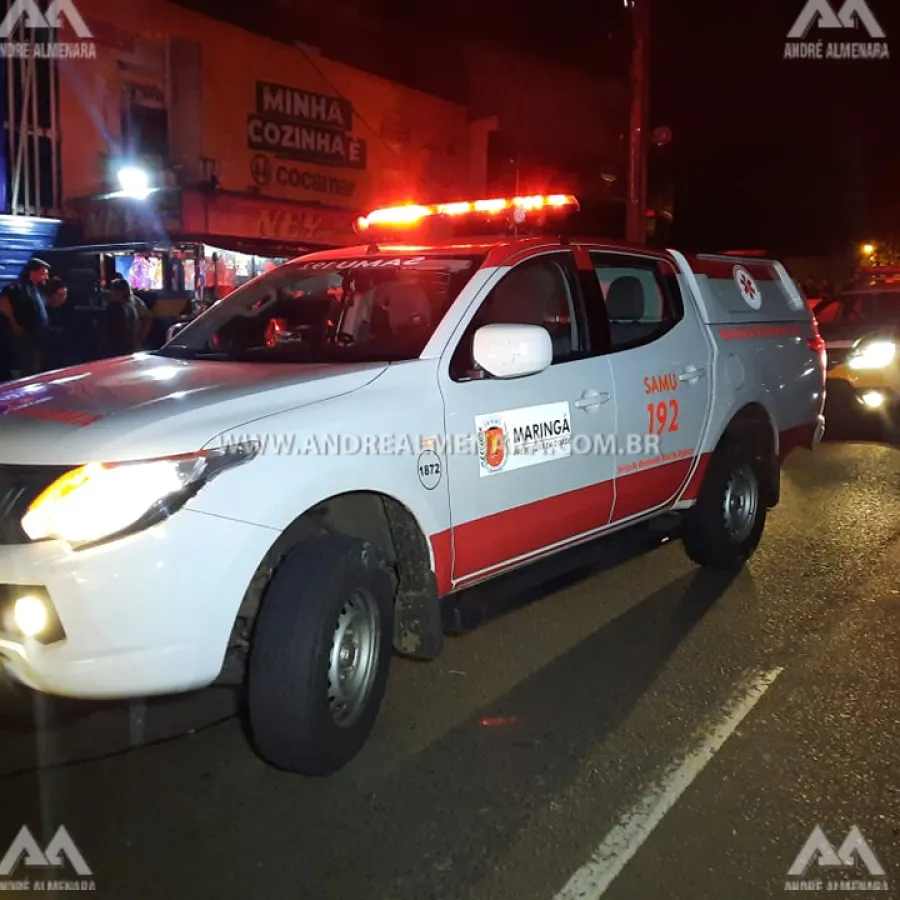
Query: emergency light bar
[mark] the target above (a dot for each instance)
(470, 216)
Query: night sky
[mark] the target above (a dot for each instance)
(794, 156)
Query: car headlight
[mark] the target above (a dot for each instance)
(872, 355)
(100, 501)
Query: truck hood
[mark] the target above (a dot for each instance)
(143, 406)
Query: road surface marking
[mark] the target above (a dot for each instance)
(591, 881)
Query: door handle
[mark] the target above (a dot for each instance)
(590, 399)
(692, 373)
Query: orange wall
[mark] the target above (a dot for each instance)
(415, 145)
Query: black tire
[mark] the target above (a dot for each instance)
(705, 534)
(290, 686)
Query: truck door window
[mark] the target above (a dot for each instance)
(539, 291)
(641, 297)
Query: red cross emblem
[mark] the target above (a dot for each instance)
(747, 286)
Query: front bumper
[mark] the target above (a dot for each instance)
(867, 399)
(149, 614)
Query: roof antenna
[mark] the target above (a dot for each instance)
(372, 249)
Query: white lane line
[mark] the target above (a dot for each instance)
(591, 881)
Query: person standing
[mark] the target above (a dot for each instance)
(7, 349)
(59, 335)
(121, 321)
(22, 306)
(145, 320)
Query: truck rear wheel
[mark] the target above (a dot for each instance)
(724, 527)
(320, 654)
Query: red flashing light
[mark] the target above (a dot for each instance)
(411, 215)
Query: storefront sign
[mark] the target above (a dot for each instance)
(304, 126)
(249, 217)
(120, 219)
(302, 226)
(267, 173)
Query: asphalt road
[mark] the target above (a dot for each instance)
(641, 731)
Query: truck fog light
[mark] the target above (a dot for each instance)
(30, 615)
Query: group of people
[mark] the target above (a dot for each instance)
(33, 322)
(817, 290)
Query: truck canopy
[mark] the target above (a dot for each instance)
(744, 291)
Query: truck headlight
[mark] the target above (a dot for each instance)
(100, 501)
(872, 355)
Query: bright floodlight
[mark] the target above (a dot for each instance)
(134, 182)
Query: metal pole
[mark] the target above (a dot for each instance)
(636, 230)
(55, 199)
(21, 163)
(36, 137)
(10, 116)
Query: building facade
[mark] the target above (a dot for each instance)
(538, 124)
(244, 139)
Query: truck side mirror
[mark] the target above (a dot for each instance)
(512, 351)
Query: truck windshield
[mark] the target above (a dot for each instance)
(364, 309)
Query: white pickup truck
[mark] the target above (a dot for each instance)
(308, 469)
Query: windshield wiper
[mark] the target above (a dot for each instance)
(180, 351)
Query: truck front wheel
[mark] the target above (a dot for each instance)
(320, 654)
(725, 525)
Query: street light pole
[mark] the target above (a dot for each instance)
(636, 226)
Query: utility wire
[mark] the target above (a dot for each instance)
(425, 182)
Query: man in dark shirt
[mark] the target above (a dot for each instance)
(25, 312)
(122, 322)
(7, 350)
(56, 348)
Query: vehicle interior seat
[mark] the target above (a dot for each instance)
(407, 305)
(626, 307)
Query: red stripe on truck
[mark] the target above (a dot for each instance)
(642, 490)
(66, 416)
(516, 532)
(757, 332)
(493, 541)
(692, 491)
